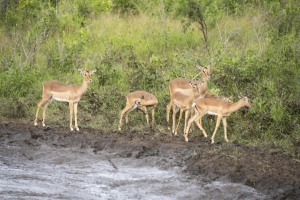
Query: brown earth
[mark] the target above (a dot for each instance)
(267, 170)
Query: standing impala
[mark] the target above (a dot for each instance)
(141, 100)
(218, 107)
(54, 90)
(183, 86)
(184, 103)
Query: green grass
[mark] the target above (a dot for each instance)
(253, 53)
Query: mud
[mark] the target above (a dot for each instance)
(137, 165)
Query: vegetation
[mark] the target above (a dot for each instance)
(253, 46)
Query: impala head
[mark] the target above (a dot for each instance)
(139, 101)
(247, 102)
(196, 86)
(87, 74)
(205, 71)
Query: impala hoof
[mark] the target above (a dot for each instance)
(186, 139)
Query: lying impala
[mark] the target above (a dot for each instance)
(183, 86)
(141, 100)
(54, 90)
(184, 102)
(217, 107)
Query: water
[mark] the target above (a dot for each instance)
(61, 173)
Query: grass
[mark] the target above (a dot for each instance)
(145, 52)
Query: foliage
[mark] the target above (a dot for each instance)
(253, 48)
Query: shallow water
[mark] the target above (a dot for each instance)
(62, 173)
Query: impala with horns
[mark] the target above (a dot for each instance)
(184, 102)
(141, 100)
(217, 107)
(54, 90)
(183, 86)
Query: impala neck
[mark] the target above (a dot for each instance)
(82, 88)
(203, 89)
(236, 106)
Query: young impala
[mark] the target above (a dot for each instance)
(141, 100)
(218, 107)
(54, 90)
(184, 102)
(183, 86)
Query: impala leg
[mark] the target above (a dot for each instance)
(190, 122)
(71, 106)
(44, 110)
(153, 116)
(187, 113)
(192, 113)
(198, 121)
(175, 110)
(75, 115)
(122, 114)
(126, 115)
(179, 119)
(41, 102)
(168, 110)
(216, 128)
(144, 109)
(225, 128)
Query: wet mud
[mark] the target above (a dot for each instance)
(140, 163)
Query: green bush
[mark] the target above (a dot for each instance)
(253, 48)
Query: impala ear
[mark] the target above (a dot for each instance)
(243, 97)
(199, 67)
(193, 83)
(93, 71)
(81, 71)
(142, 97)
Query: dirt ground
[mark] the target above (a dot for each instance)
(267, 170)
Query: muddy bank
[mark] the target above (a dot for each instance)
(274, 174)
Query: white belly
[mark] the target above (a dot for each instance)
(60, 96)
(60, 99)
(211, 113)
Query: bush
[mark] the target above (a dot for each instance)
(253, 49)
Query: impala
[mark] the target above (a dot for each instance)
(183, 86)
(184, 103)
(54, 90)
(218, 107)
(210, 95)
(141, 100)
